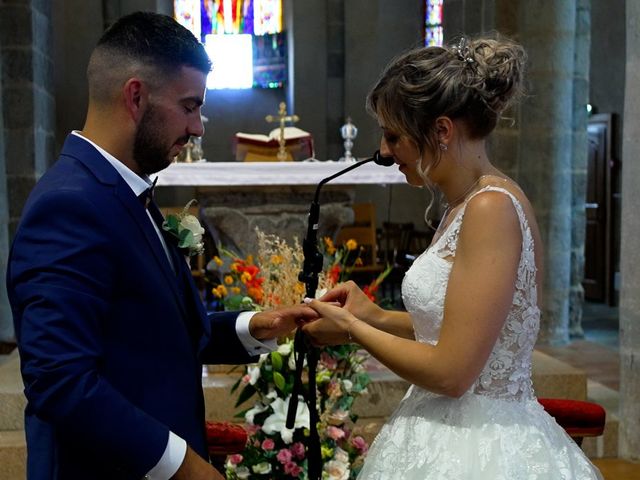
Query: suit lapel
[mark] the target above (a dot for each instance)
(105, 174)
(143, 222)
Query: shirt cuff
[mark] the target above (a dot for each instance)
(171, 459)
(251, 345)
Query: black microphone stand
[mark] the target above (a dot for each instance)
(311, 267)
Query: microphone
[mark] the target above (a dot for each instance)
(312, 266)
(382, 161)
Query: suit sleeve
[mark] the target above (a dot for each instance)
(60, 277)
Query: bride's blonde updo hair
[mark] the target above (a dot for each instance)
(473, 80)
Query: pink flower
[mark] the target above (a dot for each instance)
(330, 362)
(284, 456)
(235, 459)
(246, 379)
(298, 451)
(360, 444)
(335, 433)
(268, 444)
(292, 468)
(252, 429)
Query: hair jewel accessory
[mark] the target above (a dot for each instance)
(463, 51)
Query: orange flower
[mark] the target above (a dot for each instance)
(351, 244)
(228, 279)
(218, 260)
(219, 291)
(235, 290)
(255, 293)
(329, 246)
(245, 277)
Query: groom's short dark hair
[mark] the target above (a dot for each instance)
(148, 44)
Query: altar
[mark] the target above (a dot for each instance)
(260, 174)
(237, 197)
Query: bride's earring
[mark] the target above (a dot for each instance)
(443, 147)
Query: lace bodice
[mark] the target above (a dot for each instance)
(507, 373)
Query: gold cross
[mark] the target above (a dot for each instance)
(282, 117)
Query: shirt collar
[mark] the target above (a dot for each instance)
(137, 183)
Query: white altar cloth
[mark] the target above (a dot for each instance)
(224, 174)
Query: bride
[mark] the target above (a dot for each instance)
(466, 340)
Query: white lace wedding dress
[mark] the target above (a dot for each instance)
(497, 430)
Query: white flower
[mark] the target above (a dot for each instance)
(187, 230)
(320, 292)
(341, 456)
(276, 421)
(291, 362)
(285, 348)
(243, 472)
(254, 374)
(262, 468)
(348, 385)
(336, 470)
(252, 412)
(191, 223)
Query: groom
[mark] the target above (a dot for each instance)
(111, 331)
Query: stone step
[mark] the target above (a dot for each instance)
(606, 445)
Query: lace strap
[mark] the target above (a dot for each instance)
(447, 243)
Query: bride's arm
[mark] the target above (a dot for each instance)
(479, 295)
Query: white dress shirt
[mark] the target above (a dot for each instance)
(176, 446)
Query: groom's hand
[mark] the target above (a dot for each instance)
(279, 321)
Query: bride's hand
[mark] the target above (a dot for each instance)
(353, 299)
(332, 328)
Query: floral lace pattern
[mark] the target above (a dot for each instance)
(497, 430)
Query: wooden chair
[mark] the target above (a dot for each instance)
(363, 231)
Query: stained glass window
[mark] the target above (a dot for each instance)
(433, 34)
(244, 39)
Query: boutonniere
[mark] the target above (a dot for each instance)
(187, 230)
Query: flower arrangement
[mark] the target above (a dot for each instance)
(272, 450)
(241, 286)
(187, 230)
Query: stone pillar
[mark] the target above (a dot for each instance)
(335, 79)
(28, 109)
(629, 440)
(579, 163)
(6, 332)
(545, 148)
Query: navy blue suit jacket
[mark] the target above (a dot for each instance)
(111, 339)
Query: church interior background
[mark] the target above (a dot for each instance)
(572, 145)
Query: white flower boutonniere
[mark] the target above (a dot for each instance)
(187, 230)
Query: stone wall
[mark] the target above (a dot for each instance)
(28, 109)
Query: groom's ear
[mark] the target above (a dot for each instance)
(135, 94)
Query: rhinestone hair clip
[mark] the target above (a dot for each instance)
(463, 51)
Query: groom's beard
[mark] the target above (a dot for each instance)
(151, 148)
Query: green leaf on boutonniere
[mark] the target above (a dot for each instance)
(186, 238)
(171, 223)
